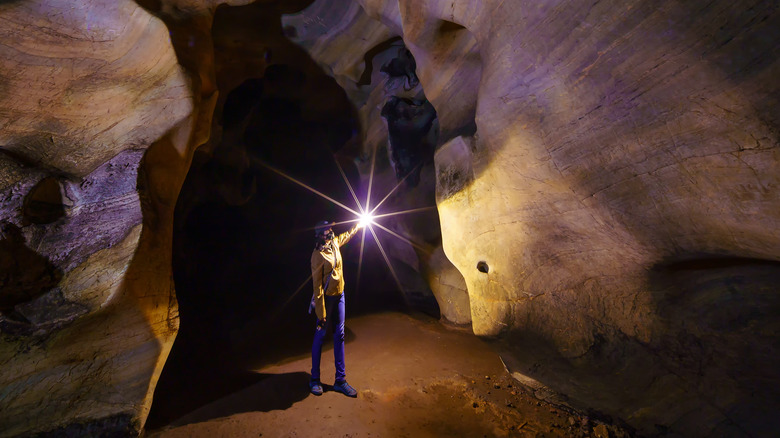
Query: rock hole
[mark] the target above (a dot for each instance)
(43, 204)
(403, 66)
(368, 58)
(24, 274)
(482, 266)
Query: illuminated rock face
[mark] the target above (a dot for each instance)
(607, 186)
(97, 132)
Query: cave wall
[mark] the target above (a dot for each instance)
(606, 180)
(101, 107)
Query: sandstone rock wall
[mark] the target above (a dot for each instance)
(99, 120)
(613, 195)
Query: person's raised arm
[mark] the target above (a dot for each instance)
(345, 237)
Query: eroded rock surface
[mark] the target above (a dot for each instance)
(607, 186)
(97, 122)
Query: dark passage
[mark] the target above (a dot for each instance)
(403, 65)
(24, 276)
(409, 124)
(243, 234)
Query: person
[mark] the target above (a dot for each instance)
(328, 303)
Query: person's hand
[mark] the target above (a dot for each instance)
(321, 323)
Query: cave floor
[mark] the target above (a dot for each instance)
(416, 378)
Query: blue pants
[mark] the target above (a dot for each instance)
(334, 314)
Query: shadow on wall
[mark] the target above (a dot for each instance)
(709, 370)
(719, 332)
(24, 276)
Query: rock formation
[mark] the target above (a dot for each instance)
(99, 120)
(605, 178)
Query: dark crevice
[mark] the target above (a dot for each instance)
(446, 27)
(18, 158)
(402, 66)
(467, 130)
(368, 58)
(24, 274)
(409, 123)
(240, 101)
(43, 205)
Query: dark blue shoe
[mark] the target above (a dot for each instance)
(344, 388)
(315, 387)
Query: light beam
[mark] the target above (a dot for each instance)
(396, 213)
(349, 186)
(364, 216)
(394, 189)
(389, 265)
(365, 219)
(311, 189)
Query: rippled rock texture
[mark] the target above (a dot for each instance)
(606, 181)
(98, 124)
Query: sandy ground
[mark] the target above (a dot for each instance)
(415, 377)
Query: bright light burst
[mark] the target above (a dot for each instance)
(365, 219)
(364, 215)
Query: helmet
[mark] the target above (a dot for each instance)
(321, 227)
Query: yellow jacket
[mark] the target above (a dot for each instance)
(325, 262)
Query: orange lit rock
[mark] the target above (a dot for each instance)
(99, 122)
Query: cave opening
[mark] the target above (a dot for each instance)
(243, 235)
